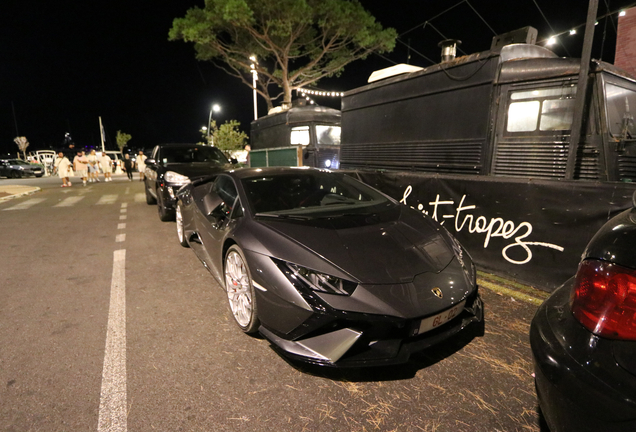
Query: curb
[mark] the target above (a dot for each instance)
(507, 287)
(20, 194)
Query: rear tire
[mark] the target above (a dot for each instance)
(240, 290)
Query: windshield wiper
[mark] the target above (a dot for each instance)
(283, 216)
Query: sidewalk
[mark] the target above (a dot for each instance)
(14, 191)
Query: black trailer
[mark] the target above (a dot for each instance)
(481, 143)
(305, 135)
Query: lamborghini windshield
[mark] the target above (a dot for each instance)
(311, 193)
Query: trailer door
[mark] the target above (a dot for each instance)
(533, 129)
(620, 103)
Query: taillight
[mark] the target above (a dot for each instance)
(604, 299)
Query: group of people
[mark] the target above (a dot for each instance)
(87, 167)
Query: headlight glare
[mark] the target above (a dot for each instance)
(176, 179)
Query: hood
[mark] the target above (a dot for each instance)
(195, 169)
(408, 300)
(390, 249)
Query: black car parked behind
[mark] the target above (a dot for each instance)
(583, 337)
(170, 166)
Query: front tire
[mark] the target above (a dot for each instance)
(240, 291)
(180, 229)
(15, 174)
(164, 214)
(150, 200)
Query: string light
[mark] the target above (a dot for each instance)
(304, 92)
(553, 39)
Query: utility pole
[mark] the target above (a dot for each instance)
(579, 123)
(15, 120)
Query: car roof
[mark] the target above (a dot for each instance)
(242, 173)
(181, 145)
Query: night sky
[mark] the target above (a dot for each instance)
(65, 63)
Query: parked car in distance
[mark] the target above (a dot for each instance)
(173, 165)
(17, 168)
(331, 271)
(583, 337)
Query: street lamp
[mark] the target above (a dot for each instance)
(254, 78)
(214, 108)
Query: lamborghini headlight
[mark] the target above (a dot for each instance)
(176, 179)
(317, 281)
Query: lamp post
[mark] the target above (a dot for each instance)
(254, 78)
(214, 108)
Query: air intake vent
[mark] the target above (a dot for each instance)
(458, 157)
(524, 159)
(627, 168)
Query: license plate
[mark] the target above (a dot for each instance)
(441, 318)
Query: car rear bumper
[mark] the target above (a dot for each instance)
(579, 384)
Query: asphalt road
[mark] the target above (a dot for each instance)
(186, 366)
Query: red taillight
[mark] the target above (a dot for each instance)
(604, 299)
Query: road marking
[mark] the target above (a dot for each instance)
(26, 204)
(124, 205)
(121, 226)
(509, 292)
(122, 217)
(107, 199)
(119, 238)
(69, 202)
(127, 191)
(112, 404)
(140, 197)
(123, 210)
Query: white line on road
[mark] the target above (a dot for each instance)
(122, 217)
(107, 199)
(127, 191)
(69, 202)
(112, 404)
(121, 226)
(119, 238)
(124, 205)
(140, 197)
(26, 204)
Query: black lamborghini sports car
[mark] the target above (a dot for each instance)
(328, 269)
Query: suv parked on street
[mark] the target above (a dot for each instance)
(170, 166)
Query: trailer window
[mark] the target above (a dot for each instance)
(557, 114)
(548, 109)
(328, 135)
(621, 105)
(522, 116)
(300, 135)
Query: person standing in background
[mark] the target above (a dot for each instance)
(93, 167)
(141, 165)
(80, 164)
(128, 166)
(62, 166)
(247, 148)
(107, 166)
